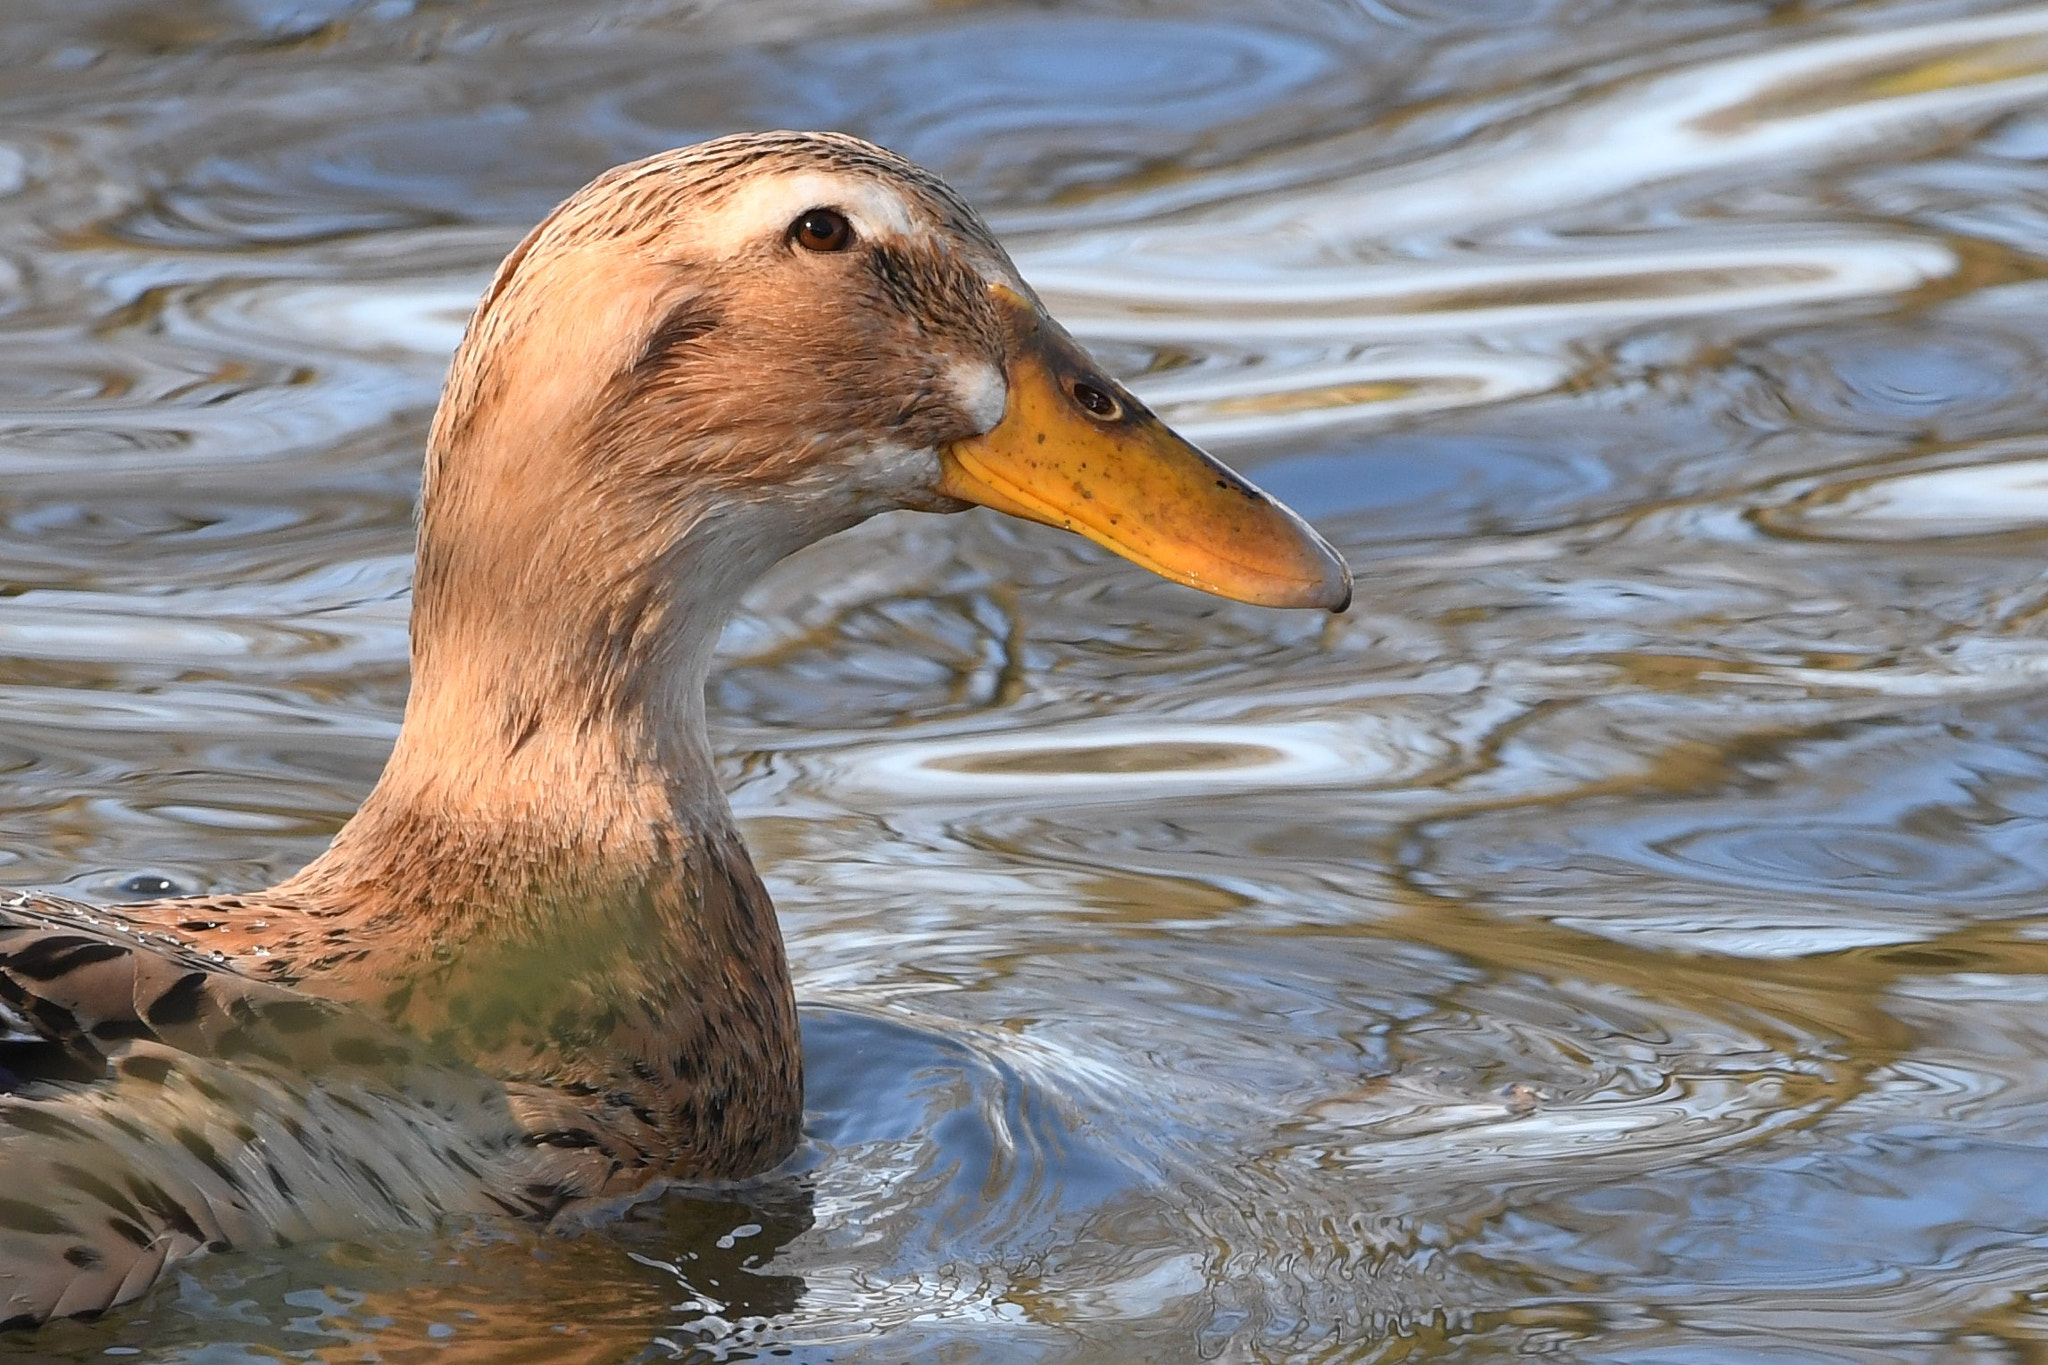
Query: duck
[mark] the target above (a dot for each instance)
(536, 975)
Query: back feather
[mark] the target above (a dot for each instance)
(155, 1102)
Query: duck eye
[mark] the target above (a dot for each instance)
(822, 230)
(1096, 400)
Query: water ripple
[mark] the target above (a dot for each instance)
(1632, 903)
(1973, 500)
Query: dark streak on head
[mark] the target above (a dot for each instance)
(694, 318)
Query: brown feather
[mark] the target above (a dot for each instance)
(536, 974)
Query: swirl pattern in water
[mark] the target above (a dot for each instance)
(1620, 937)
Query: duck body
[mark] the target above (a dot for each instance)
(160, 1099)
(536, 974)
(155, 1103)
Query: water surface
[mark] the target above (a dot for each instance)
(1623, 936)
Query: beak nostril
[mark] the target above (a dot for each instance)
(1095, 400)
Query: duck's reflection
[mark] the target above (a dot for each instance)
(683, 1274)
(722, 1243)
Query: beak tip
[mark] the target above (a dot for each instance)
(1328, 591)
(1316, 578)
(1333, 591)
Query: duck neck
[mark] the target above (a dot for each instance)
(546, 879)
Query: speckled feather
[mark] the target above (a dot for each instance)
(154, 1102)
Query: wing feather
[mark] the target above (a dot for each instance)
(158, 1102)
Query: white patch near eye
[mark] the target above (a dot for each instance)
(765, 208)
(983, 394)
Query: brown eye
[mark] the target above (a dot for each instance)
(1096, 400)
(822, 230)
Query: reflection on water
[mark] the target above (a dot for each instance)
(1620, 936)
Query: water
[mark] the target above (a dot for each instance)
(1624, 935)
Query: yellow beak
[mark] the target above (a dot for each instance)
(1074, 450)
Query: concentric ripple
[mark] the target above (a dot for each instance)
(1099, 763)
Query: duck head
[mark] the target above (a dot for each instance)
(704, 360)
